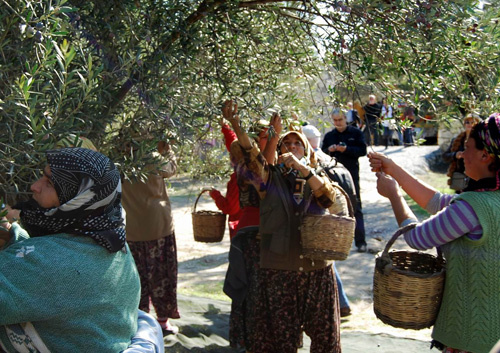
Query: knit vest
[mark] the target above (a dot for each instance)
(469, 317)
(280, 229)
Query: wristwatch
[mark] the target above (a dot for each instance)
(312, 173)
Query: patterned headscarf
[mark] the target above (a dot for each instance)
(489, 132)
(487, 135)
(88, 186)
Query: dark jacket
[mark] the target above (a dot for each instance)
(356, 147)
(280, 220)
(339, 174)
(372, 112)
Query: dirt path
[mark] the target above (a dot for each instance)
(202, 266)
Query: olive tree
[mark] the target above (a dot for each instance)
(134, 72)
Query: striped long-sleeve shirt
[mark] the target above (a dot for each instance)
(449, 222)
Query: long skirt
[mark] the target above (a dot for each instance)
(291, 303)
(242, 322)
(156, 261)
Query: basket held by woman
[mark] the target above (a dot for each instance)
(208, 226)
(407, 286)
(328, 236)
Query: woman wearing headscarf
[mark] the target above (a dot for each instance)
(454, 156)
(151, 236)
(296, 294)
(69, 282)
(467, 229)
(241, 282)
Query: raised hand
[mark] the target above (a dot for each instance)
(276, 123)
(380, 163)
(230, 112)
(386, 185)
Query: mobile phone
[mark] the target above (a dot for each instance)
(341, 143)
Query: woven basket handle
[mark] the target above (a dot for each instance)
(396, 235)
(196, 202)
(336, 186)
(348, 199)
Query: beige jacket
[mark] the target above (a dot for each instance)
(149, 213)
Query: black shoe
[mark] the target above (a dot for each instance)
(344, 312)
(362, 248)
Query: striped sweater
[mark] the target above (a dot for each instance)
(451, 220)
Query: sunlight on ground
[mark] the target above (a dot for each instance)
(363, 319)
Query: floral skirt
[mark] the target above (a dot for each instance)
(156, 262)
(291, 303)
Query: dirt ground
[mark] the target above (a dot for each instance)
(202, 266)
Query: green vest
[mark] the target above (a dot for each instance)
(280, 228)
(469, 317)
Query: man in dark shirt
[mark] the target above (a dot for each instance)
(347, 144)
(373, 111)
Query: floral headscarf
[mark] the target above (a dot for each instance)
(88, 186)
(489, 131)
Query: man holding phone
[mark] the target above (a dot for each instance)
(347, 144)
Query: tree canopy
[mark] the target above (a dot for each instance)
(136, 71)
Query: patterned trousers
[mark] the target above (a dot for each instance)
(156, 261)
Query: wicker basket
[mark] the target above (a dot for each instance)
(328, 237)
(408, 286)
(208, 226)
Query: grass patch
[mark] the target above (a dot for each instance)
(436, 180)
(212, 290)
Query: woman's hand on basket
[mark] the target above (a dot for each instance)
(381, 163)
(387, 186)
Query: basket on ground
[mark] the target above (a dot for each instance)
(328, 236)
(408, 286)
(208, 226)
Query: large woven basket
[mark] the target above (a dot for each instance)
(328, 236)
(408, 286)
(208, 226)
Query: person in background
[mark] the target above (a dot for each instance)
(347, 144)
(466, 227)
(296, 294)
(151, 237)
(339, 174)
(373, 111)
(229, 204)
(69, 282)
(408, 115)
(388, 123)
(454, 154)
(352, 116)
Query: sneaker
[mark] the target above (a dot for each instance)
(362, 248)
(345, 311)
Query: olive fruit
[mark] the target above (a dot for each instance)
(30, 32)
